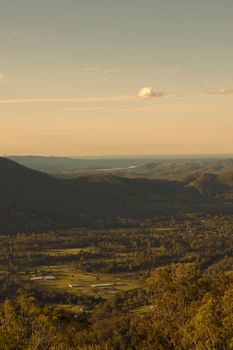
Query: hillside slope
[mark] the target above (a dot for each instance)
(33, 200)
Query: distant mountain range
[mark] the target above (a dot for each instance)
(165, 168)
(67, 167)
(32, 200)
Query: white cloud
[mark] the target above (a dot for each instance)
(145, 93)
(149, 93)
(222, 92)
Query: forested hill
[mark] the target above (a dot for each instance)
(210, 183)
(33, 200)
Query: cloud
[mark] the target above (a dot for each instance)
(120, 98)
(158, 70)
(107, 71)
(145, 93)
(101, 70)
(171, 70)
(222, 92)
(149, 93)
(20, 33)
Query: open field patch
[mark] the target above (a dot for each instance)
(75, 282)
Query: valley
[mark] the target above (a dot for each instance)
(95, 257)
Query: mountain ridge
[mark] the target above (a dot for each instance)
(29, 198)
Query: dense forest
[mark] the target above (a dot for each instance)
(171, 287)
(188, 310)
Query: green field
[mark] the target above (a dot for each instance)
(69, 251)
(64, 276)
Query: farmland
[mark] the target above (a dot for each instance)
(104, 280)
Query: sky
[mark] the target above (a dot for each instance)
(107, 77)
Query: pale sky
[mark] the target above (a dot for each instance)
(107, 77)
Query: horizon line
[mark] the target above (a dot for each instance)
(120, 156)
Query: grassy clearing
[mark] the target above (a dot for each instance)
(63, 252)
(65, 276)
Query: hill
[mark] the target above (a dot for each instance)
(31, 200)
(180, 168)
(211, 184)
